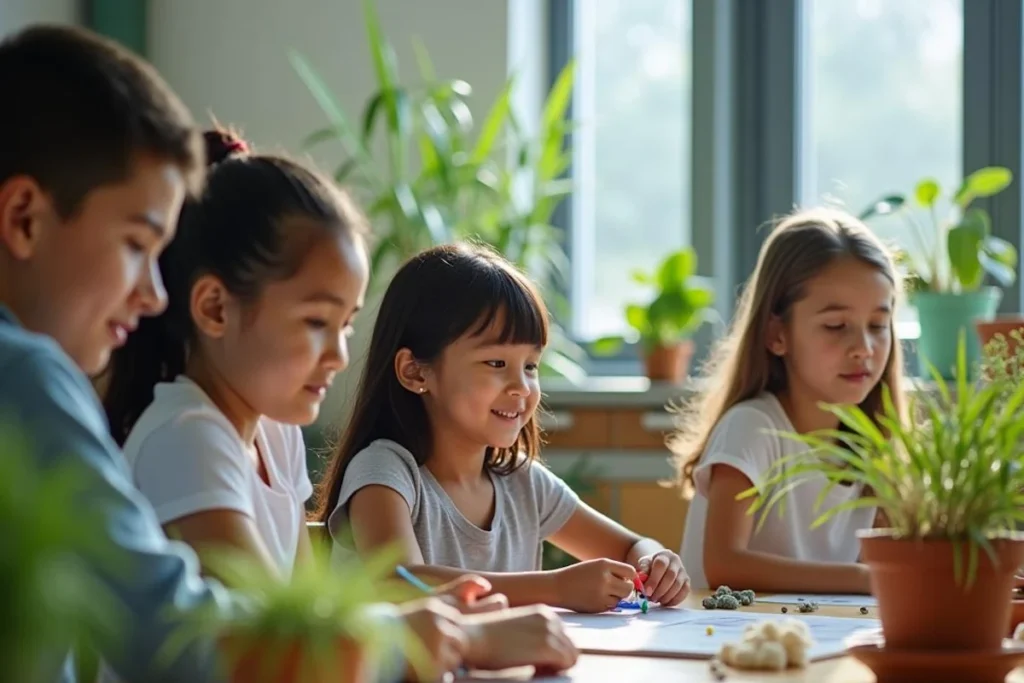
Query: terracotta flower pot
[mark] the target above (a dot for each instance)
(920, 604)
(282, 662)
(669, 363)
(1016, 616)
(1003, 325)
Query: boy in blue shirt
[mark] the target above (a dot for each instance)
(96, 157)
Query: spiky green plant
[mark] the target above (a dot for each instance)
(955, 471)
(321, 605)
(50, 597)
(439, 177)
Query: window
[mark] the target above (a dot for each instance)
(631, 167)
(882, 101)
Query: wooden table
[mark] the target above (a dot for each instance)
(614, 669)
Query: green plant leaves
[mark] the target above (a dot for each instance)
(963, 240)
(985, 182)
(964, 243)
(884, 206)
(677, 268)
(607, 346)
(927, 192)
(636, 316)
(999, 259)
(495, 183)
(680, 304)
(951, 468)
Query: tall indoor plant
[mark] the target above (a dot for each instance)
(947, 268)
(441, 177)
(664, 325)
(948, 482)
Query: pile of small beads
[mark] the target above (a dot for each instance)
(727, 598)
(769, 645)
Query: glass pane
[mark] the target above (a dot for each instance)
(632, 151)
(882, 101)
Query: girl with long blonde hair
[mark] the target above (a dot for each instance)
(814, 324)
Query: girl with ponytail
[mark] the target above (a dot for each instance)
(263, 278)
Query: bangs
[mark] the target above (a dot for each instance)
(504, 306)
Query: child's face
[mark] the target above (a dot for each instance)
(281, 353)
(87, 280)
(838, 338)
(484, 391)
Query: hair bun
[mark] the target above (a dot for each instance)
(221, 145)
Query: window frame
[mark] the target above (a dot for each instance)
(747, 79)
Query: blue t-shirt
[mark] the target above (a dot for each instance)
(43, 391)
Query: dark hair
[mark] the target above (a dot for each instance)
(436, 298)
(82, 110)
(247, 229)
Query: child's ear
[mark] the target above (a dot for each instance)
(776, 338)
(410, 372)
(25, 210)
(209, 306)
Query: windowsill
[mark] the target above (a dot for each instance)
(616, 383)
(637, 392)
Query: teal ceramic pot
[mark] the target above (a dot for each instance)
(942, 317)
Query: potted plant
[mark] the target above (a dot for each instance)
(946, 273)
(429, 174)
(50, 597)
(681, 303)
(948, 482)
(323, 624)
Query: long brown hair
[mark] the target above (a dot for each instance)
(437, 297)
(741, 367)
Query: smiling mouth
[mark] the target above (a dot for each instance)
(507, 415)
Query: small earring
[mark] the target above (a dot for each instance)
(423, 390)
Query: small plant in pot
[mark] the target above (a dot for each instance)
(326, 623)
(946, 271)
(948, 483)
(664, 326)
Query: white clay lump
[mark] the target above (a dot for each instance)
(769, 646)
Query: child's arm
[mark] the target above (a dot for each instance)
(218, 530)
(728, 561)
(380, 518)
(590, 535)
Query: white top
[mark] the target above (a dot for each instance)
(742, 440)
(186, 457)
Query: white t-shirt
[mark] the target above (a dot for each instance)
(742, 439)
(186, 457)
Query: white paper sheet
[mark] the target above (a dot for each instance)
(683, 633)
(822, 600)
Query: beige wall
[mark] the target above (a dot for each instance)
(16, 14)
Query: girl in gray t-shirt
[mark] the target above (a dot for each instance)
(441, 455)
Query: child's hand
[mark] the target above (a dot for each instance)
(437, 626)
(519, 637)
(464, 594)
(668, 583)
(593, 586)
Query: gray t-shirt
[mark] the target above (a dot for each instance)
(530, 505)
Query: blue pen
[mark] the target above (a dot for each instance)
(413, 579)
